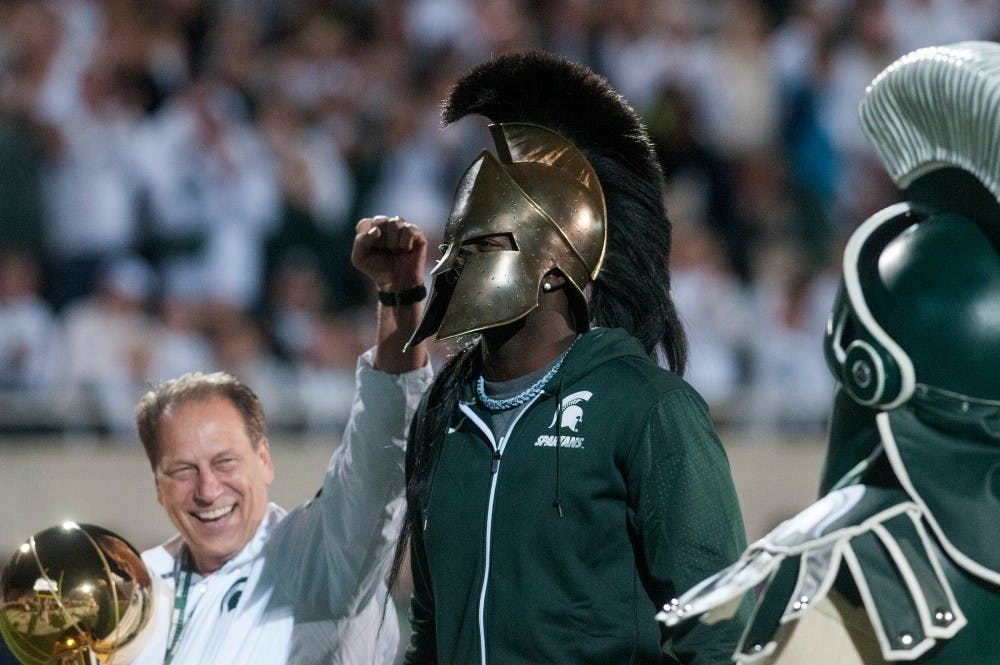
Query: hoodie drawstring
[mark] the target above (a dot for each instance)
(556, 503)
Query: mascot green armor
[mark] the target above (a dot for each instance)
(899, 560)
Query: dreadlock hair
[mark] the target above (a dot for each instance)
(632, 290)
(439, 403)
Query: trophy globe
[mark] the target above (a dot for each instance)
(75, 594)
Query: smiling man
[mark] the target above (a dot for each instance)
(214, 467)
(243, 582)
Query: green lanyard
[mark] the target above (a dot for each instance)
(177, 618)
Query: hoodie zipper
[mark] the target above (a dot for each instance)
(497, 452)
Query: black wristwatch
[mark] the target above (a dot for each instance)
(407, 297)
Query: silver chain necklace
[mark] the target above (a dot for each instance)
(521, 397)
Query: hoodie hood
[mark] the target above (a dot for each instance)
(596, 347)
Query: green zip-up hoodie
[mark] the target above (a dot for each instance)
(559, 544)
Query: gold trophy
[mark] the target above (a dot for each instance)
(75, 594)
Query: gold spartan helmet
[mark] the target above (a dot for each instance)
(542, 193)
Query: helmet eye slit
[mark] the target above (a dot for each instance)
(494, 242)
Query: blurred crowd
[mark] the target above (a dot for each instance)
(180, 179)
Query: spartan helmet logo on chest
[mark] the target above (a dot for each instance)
(571, 410)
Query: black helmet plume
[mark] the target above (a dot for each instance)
(632, 290)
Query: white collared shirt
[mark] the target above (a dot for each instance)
(307, 589)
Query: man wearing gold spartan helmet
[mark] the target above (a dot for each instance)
(561, 484)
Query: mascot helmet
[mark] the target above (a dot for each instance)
(919, 303)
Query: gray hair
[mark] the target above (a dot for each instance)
(191, 387)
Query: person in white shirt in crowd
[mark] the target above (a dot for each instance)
(244, 582)
(213, 194)
(30, 337)
(241, 346)
(789, 382)
(180, 343)
(108, 339)
(325, 373)
(91, 190)
(713, 306)
(30, 344)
